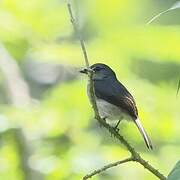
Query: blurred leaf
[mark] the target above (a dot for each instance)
(175, 6)
(64, 138)
(175, 173)
(178, 88)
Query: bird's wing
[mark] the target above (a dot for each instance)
(118, 95)
(115, 93)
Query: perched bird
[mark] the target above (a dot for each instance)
(113, 100)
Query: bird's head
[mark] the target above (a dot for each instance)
(100, 71)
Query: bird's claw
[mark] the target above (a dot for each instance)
(116, 128)
(104, 119)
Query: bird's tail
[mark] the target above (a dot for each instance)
(144, 134)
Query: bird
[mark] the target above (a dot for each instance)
(114, 101)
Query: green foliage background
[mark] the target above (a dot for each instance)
(64, 140)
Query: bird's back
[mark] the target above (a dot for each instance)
(112, 91)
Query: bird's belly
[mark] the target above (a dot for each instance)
(109, 111)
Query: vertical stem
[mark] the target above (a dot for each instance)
(79, 35)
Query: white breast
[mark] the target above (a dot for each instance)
(107, 110)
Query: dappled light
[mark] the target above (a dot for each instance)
(47, 125)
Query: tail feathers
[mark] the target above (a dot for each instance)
(144, 134)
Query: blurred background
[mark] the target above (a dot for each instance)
(47, 130)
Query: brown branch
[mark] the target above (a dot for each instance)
(135, 156)
(98, 171)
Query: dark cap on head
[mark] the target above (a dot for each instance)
(100, 68)
(103, 69)
(101, 65)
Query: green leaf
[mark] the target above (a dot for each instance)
(178, 88)
(175, 173)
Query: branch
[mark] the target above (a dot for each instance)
(135, 156)
(79, 36)
(98, 171)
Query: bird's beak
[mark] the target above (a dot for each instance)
(85, 71)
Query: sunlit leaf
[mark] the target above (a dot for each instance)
(175, 6)
(178, 88)
(175, 173)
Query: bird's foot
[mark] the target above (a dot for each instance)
(116, 129)
(116, 126)
(104, 119)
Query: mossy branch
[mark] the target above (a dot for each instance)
(134, 155)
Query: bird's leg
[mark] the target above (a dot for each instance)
(103, 118)
(116, 126)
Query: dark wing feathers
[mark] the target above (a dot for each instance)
(129, 101)
(116, 94)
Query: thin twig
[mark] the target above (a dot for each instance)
(135, 156)
(98, 171)
(78, 34)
